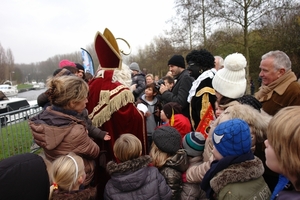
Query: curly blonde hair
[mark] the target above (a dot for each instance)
(258, 122)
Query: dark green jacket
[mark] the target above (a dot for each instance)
(241, 181)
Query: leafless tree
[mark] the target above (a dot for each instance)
(244, 14)
(191, 23)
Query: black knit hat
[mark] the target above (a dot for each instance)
(172, 108)
(79, 66)
(177, 60)
(167, 139)
(251, 101)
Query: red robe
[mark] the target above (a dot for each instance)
(111, 108)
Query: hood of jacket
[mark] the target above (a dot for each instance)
(240, 172)
(144, 101)
(129, 175)
(182, 124)
(50, 127)
(179, 161)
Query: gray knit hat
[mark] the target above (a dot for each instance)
(167, 139)
(193, 143)
(134, 66)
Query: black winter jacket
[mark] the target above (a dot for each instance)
(140, 81)
(180, 92)
(172, 171)
(24, 176)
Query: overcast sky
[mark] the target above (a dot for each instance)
(38, 29)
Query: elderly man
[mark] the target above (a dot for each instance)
(279, 89)
(279, 84)
(180, 91)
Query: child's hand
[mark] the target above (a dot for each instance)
(132, 87)
(107, 137)
(147, 114)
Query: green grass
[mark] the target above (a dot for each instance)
(24, 86)
(15, 139)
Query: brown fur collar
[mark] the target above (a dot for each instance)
(86, 194)
(240, 172)
(130, 165)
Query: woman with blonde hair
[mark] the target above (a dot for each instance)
(149, 79)
(258, 123)
(145, 181)
(67, 174)
(58, 130)
(282, 149)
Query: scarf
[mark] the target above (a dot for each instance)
(62, 110)
(217, 166)
(279, 86)
(207, 74)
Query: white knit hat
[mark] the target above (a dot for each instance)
(230, 81)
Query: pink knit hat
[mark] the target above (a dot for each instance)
(65, 63)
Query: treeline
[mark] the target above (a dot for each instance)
(251, 27)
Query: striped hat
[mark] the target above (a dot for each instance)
(193, 143)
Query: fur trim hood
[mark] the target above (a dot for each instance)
(130, 165)
(240, 172)
(257, 121)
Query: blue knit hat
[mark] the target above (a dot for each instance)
(232, 138)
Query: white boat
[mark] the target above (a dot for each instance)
(13, 103)
(39, 85)
(8, 89)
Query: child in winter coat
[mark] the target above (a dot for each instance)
(167, 156)
(138, 80)
(132, 177)
(193, 144)
(282, 151)
(236, 173)
(150, 106)
(67, 174)
(171, 115)
(258, 123)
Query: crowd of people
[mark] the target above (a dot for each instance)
(193, 134)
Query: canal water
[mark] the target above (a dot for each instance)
(31, 95)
